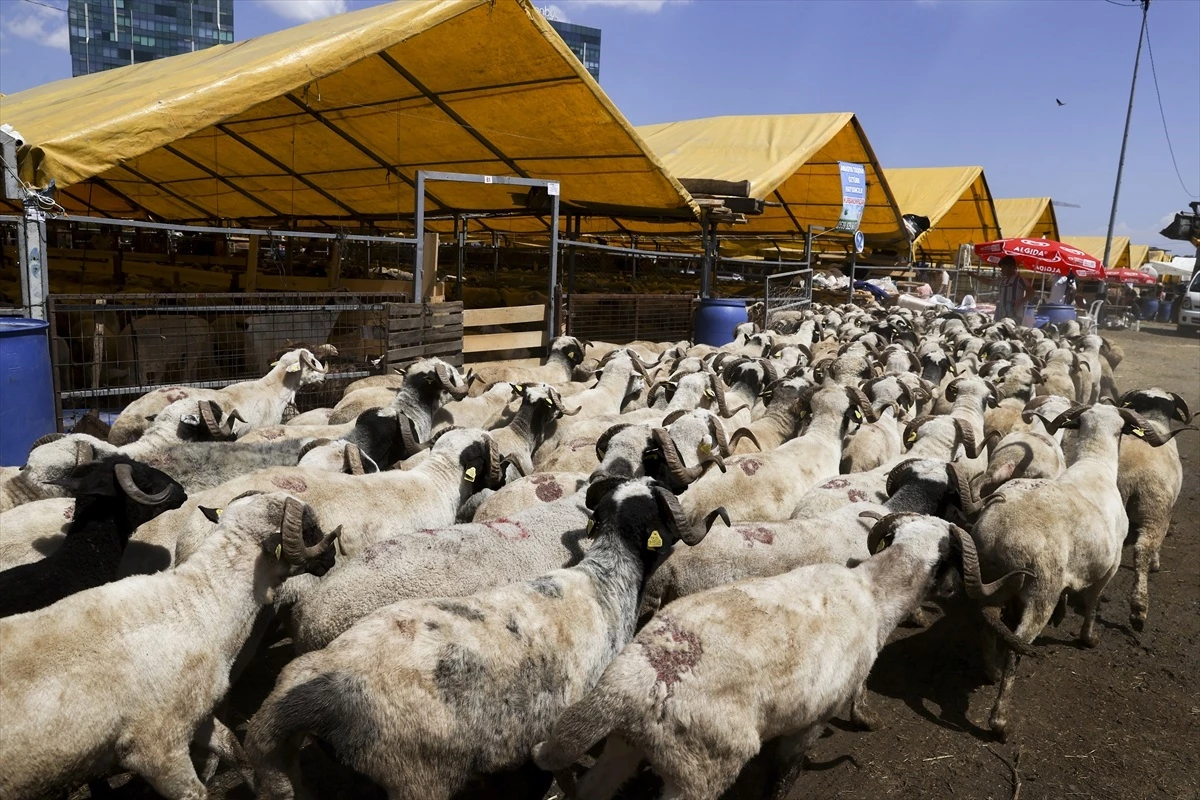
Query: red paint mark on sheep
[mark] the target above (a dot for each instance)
(290, 483)
(672, 651)
(581, 444)
(174, 394)
(750, 465)
(69, 513)
(547, 489)
(836, 483)
(508, 529)
(857, 496)
(271, 434)
(760, 535)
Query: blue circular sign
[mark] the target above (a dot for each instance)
(860, 241)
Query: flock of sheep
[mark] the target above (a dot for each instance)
(663, 553)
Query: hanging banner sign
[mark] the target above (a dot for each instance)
(854, 195)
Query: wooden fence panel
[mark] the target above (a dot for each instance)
(424, 330)
(507, 334)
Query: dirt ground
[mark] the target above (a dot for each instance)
(1120, 722)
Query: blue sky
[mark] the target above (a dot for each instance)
(934, 82)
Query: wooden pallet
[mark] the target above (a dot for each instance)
(424, 330)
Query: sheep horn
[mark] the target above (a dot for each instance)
(690, 534)
(1150, 434)
(718, 431)
(457, 392)
(556, 399)
(864, 405)
(893, 477)
(966, 495)
(744, 433)
(1181, 409)
(293, 549)
(964, 434)
(514, 462)
(769, 370)
(227, 423)
(914, 361)
(208, 416)
(714, 515)
(495, 467)
(84, 453)
(884, 530)
(1063, 419)
(352, 460)
(674, 415)
(718, 389)
(994, 593)
(408, 436)
(54, 437)
(670, 451)
(912, 428)
(314, 444)
(124, 473)
(606, 437)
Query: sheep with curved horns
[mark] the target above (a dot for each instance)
(128, 674)
(423, 695)
(260, 402)
(1149, 479)
(678, 695)
(112, 499)
(1068, 531)
(565, 353)
(767, 486)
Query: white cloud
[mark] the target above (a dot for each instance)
(38, 24)
(639, 6)
(304, 10)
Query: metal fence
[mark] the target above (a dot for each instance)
(623, 318)
(109, 349)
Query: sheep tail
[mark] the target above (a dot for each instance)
(578, 730)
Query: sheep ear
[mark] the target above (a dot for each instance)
(293, 368)
(213, 515)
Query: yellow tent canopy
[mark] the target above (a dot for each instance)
(1094, 246)
(791, 162)
(956, 200)
(1138, 254)
(1026, 218)
(329, 121)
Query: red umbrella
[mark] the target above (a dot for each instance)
(1042, 255)
(1129, 276)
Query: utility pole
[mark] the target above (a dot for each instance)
(1112, 217)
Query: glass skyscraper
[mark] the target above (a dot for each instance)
(114, 33)
(583, 41)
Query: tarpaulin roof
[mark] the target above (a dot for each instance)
(330, 120)
(1094, 245)
(957, 202)
(1026, 218)
(790, 160)
(1138, 254)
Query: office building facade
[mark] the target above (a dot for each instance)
(115, 33)
(583, 41)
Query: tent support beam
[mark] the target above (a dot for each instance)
(452, 114)
(787, 210)
(133, 205)
(204, 212)
(279, 165)
(217, 177)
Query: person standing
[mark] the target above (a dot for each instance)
(1014, 291)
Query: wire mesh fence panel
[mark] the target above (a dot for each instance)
(786, 291)
(623, 318)
(110, 349)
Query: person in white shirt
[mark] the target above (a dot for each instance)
(1063, 290)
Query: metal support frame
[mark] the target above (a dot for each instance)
(711, 245)
(552, 190)
(31, 231)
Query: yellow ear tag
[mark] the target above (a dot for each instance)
(709, 393)
(912, 437)
(857, 414)
(519, 388)
(654, 542)
(1125, 405)
(1139, 432)
(219, 512)
(293, 368)
(278, 550)
(274, 363)
(879, 548)
(469, 475)
(705, 448)
(591, 524)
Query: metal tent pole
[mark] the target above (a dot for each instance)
(1112, 217)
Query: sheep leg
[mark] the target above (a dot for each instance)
(1145, 559)
(791, 751)
(215, 737)
(1091, 602)
(167, 767)
(616, 765)
(1037, 612)
(860, 713)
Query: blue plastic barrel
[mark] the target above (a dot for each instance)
(1057, 313)
(26, 387)
(716, 319)
(1149, 308)
(1164, 311)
